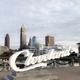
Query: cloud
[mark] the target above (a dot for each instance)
(45, 17)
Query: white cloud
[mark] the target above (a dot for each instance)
(45, 17)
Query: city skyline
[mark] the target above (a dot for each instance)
(23, 29)
(57, 18)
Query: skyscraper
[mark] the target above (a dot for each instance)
(33, 41)
(22, 37)
(7, 40)
(49, 41)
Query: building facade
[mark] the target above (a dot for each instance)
(3, 49)
(49, 41)
(22, 37)
(29, 44)
(7, 41)
(78, 47)
(33, 41)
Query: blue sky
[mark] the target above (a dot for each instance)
(58, 18)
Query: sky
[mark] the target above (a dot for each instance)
(58, 18)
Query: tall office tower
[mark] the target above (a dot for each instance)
(22, 37)
(49, 41)
(33, 41)
(7, 40)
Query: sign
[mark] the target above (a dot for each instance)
(32, 62)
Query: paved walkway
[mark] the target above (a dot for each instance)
(64, 73)
(4, 73)
(67, 73)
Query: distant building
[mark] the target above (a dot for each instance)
(7, 41)
(3, 49)
(22, 37)
(33, 41)
(39, 48)
(29, 44)
(78, 47)
(49, 41)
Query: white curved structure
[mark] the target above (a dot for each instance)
(36, 61)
